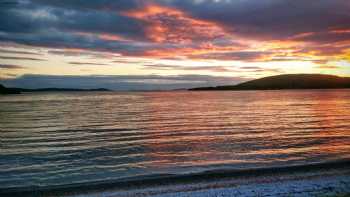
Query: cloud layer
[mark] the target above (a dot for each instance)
(137, 27)
(138, 32)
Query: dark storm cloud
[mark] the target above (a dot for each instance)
(120, 82)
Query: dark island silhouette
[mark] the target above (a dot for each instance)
(4, 90)
(287, 81)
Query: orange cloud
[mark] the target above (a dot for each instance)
(340, 31)
(175, 33)
(169, 25)
(302, 35)
(111, 37)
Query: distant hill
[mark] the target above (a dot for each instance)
(288, 81)
(4, 90)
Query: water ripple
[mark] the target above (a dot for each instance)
(60, 138)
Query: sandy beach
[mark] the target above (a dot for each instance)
(321, 183)
(320, 179)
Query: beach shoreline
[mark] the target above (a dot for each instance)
(328, 179)
(331, 182)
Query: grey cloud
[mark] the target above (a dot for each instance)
(87, 63)
(112, 5)
(238, 55)
(126, 61)
(56, 39)
(257, 69)
(35, 17)
(20, 58)
(10, 66)
(325, 37)
(18, 52)
(230, 69)
(250, 67)
(188, 68)
(57, 23)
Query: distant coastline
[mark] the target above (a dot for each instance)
(288, 81)
(277, 82)
(4, 90)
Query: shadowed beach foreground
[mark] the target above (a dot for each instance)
(322, 183)
(322, 179)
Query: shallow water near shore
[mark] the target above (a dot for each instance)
(50, 139)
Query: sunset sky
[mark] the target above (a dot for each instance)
(165, 44)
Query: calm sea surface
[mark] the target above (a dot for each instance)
(62, 138)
